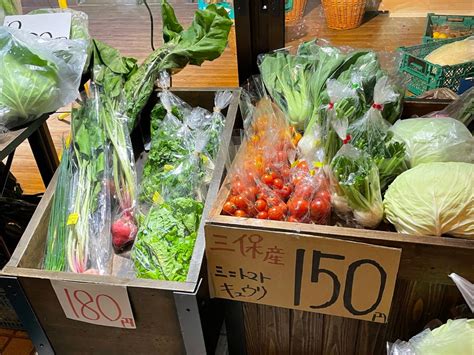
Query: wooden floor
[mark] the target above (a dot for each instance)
(127, 28)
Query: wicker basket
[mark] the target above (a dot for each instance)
(344, 14)
(296, 12)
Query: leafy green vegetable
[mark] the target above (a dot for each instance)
(433, 199)
(357, 187)
(205, 39)
(9, 7)
(165, 241)
(287, 78)
(55, 253)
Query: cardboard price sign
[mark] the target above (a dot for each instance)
(47, 26)
(97, 304)
(303, 272)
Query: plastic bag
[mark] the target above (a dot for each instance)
(9, 7)
(342, 109)
(355, 184)
(437, 139)
(461, 109)
(217, 122)
(371, 134)
(85, 237)
(454, 337)
(37, 76)
(466, 288)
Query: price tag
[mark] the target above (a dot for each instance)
(47, 26)
(72, 219)
(303, 272)
(157, 198)
(96, 304)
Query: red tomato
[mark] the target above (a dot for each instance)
(267, 179)
(273, 201)
(229, 208)
(241, 202)
(303, 165)
(299, 208)
(286, 191)
(260, 205)
(249, 194)
(232, 199)
(275, 213)
(297, 180)
(285, 173)
(240, 213)
(262, 215)
(324, 194)
(238, 187)
(292, 219)
(283, 207)
(282, 156)
(278, 183)
(320, 209)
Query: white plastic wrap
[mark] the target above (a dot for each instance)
(466, 288)
(37, 76)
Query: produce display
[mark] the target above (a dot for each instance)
(102, 204)
(320, 148)
(453, 53)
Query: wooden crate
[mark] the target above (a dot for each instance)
(423, 289)
(171, 317)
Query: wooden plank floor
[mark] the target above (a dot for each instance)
(127, 28)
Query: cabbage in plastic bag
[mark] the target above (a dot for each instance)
(37, 76)
(440, 139)
(433, 199)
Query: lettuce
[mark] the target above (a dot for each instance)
(433, 199)
(165, 241)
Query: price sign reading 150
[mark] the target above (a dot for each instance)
(348, 287)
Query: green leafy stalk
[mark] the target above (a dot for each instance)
(205, 39)
(10, 7)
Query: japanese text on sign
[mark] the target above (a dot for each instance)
(309, 273)
(46, 26)
(97, 304)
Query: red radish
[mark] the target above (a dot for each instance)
(124, 231)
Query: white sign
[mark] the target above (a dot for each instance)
(94, 303)
(46, 26)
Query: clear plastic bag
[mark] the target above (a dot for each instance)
(454, 337)
(461, 109)
(466, 288)
(371, 134)
(37, 76)
(355, 185)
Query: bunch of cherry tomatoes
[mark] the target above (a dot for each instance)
(268, 186)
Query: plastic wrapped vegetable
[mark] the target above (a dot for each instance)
(454, 337)
(217, 122)
(438, 139)
(37, 76)
(433, 199)
(355, 184)
(461, 109)
(287, 78)
(371, 134)
(341, 110)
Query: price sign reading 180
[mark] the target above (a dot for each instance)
(97, 304)
(304, 272)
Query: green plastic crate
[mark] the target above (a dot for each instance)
(424, 76)
(461, 22)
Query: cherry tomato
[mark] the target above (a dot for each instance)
(278, 183)
(275, 213)
(260, 205)
(282, 156)
(285, 173)
(262, 215)
(232, 199)
(229, 208)
(293, 219)
(304, 190)
(283, 207)
(303, 165)
(273, 201)
(320, 209)
(261, 196)
(297, 180)
(240, 213)
(241, 202)
(324, 194)
(249, 194)
(267, 179)
(273, 174)
(299, 208)
(286, 191)
(238, 187)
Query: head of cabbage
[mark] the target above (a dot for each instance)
(433, 199)
(440, 139)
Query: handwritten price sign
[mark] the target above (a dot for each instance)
(304, 272)
(47, 26)
(97, 304)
